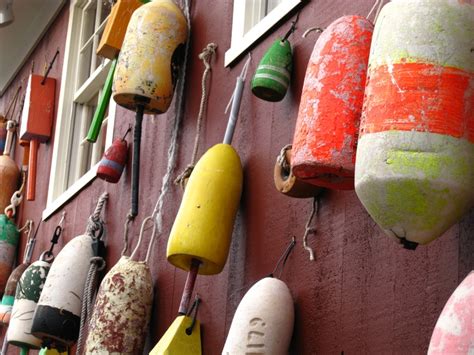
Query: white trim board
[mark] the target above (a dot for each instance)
(240, 42)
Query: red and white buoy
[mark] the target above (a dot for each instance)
(415, 156)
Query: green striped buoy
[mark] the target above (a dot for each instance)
(272, 77)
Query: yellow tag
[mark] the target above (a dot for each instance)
(176, 341)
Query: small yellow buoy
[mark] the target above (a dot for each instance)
(203, 226)
(182, 337)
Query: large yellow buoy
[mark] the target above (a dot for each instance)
(263, 322)
(151, 55)
(203, 226)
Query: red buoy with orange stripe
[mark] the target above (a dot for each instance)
(324, 143)
(415, 156)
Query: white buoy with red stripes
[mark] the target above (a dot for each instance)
(415, 155)
(454, 330)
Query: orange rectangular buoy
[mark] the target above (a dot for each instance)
(37, 121)
(38, 111)
(114, 32)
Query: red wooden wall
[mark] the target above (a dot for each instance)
(363, 294)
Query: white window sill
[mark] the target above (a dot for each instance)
(241, 43)
(72, 191)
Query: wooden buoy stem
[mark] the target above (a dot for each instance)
(189, 287)
(137, 136)
(31, 181)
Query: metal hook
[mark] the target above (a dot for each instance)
(61, 221)
(311, 29)
(54, 240)
(128, 131)
(49, 68)
(195, 306)
(292, 28)
(284, 258)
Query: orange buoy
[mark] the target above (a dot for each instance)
(324, 143)
(454, 333)
(415, 156)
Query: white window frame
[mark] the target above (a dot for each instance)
(67, 96)
(240, 40)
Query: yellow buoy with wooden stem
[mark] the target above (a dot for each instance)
(200, 238)
(147, 68)
(203, 226)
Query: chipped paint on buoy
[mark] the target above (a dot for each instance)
(415, 156)
(325, 139)
(151, 56)
(122, 310)
(263, 321)
(27, 295)
(454, 330)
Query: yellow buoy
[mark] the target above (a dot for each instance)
(151, 55)
(203, 226)
(182, 337)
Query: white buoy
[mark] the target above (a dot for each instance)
(58, 314)
(263, 322)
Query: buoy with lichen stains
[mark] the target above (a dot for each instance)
(415, 155)
(454, 333)
(263, 321)
(9, 172)
(325, 139)
(113, 162)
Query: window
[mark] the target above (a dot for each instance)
(251, 20)
(74, 162)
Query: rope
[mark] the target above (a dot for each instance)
(379, 7)
(282, 260)
(97, 264)
(205, 56)
(308, 230)
(95, 223)
(281, 159)
(243, 75)
(157, 215)
(92, 283)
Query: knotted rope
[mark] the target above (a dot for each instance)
(94, 225)
(281, 159)
(157, 215)
(205, 56)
